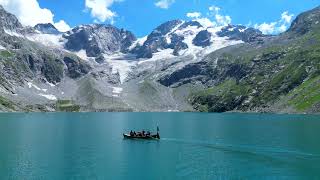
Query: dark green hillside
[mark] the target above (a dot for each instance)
(281, 72)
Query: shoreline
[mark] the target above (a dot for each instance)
(195, 112)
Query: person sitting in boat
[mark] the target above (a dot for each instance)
(143, 133)
(148, 134)
(131, 133)
(134, 133)
(139, 134)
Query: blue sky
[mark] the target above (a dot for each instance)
(141, 16)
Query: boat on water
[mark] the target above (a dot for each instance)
(151, 137)
(142, 135)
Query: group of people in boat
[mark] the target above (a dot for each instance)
(143, 134)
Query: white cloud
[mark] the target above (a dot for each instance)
(164, 4)
(214, 9)
(99, 9)
(194, 15)
(282, 28)
(206, 22)
(266, 28)
(223, 20)
(62, 26)
(277, 26)
(30, 13)
(286, 17)
(214, 12)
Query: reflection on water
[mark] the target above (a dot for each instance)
(193, 146)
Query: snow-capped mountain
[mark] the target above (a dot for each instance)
(240, 32)
(122, 50)
(93, 63)
(177, 37)
(157, 40)
(172, 38)
(99, 43)
(192, 37)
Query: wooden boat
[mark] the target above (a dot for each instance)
(151, 137)
(145, 136)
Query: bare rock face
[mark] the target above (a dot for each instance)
(202, 39)
(76, 69)
(306, 22)
(243, 33)
(190, 23)
(97, 39)
(177, 44)
(47, 28)
(8, 21)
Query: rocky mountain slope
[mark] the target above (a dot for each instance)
(179, 66)
(98, 39)
(277, 74)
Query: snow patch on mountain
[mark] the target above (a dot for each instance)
(2, 48)
(161, 55)
(82, 54)
(13, 33)
(190, 32)
(169, 35)
(50, 40)
(243, 30)
(117, 90)
(121, 64)
(123, 67)
(49, 96)
(50, 84)
(219, 42)
(31, 85)
(138, 42)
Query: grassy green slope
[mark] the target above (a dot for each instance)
(282, 72)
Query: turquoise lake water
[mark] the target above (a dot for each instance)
(62, 146)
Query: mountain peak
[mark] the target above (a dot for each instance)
(306, 22)
(97, 39)
(190, 23)
(166, 27)
(240, 32)
(47, 28)
(8, 20)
